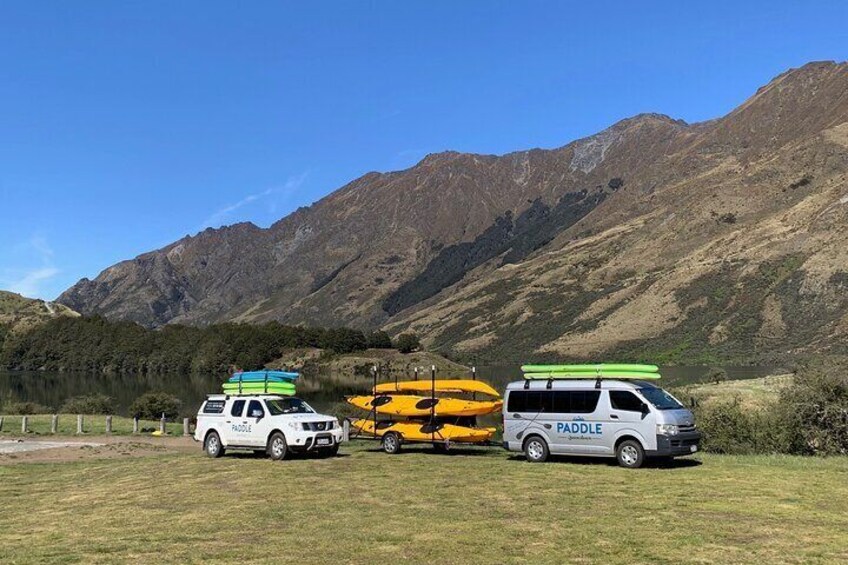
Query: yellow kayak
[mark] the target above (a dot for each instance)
(411, 406)
(417, 431)
(442, 385)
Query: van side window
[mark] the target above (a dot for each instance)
(254, 409)
(554, 401)
(625, 400)
(237, 409)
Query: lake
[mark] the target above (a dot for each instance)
(52, 389)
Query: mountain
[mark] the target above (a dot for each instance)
(653, 238)
(19, 313)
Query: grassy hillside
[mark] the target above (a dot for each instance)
(418, 507)
(19, 313)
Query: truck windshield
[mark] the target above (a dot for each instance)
(288, 406)
(660, 399)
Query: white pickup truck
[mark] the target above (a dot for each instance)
(277, 425)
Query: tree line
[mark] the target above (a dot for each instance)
(99, 345)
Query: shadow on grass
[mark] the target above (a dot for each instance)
(650, 463)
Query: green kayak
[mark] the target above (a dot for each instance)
(260, 388)
(591, 368)
(623, 375)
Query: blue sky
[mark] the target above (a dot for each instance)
(127, 125)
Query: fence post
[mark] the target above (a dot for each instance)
(162, 423)
(79, 423)
(346, 430)
(135, 424)
(108, 424)
(54, 424)
(186, 427)
(1, 423)
(23, 424)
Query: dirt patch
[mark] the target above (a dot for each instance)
(65, 449)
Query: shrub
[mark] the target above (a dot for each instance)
(817, 407)
(90, 404)
(728, 427)
(408, 342)
(26, 408)
(151, 406)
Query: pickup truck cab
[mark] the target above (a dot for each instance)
(277, 425)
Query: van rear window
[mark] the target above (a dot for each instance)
(553, 401)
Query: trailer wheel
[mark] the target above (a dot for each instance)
(212, 445)
(277, 448)
(391, 443)
(441, 447)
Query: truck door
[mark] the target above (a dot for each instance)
(237, 429)
(259, 422)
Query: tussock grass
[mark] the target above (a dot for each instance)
(475, 506)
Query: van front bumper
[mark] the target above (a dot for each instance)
(681, 444)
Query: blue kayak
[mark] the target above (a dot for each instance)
(263, 376)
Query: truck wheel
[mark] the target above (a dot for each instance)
(535, 449)
(212, 445)
(391, 443)
(630, 454)
(277, 447)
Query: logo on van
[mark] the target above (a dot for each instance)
(578, 428)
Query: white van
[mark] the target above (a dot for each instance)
(626, 419)
(274, 424)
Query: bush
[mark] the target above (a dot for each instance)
(379, 340)
(408, 342)
(151, 405)
(26, 408)
(730, 428)
(817, 407)
(90, 404)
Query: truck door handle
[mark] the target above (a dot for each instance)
(228, 421)
(517, 416)
(614, 416)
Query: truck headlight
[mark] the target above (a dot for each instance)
(667, 429)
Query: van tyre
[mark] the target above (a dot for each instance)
(391, 443)
(277, 447)
(536, 449)
(212, 445)
(630, 454)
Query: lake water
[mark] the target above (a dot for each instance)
(52, 389)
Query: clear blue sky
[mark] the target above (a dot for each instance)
(127, 125)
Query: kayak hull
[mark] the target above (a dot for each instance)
(441, 385)
(262, 376)
(417, 431)
(601, 374)
(287, 389)
(422, 406)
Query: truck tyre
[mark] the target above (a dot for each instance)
(536, 449)
(391, 443)
(630, 454)
(212, 445)
(277, 447)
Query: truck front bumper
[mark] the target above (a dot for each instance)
(311, 441)
(684, 443)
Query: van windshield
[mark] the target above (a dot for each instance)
(288, 406)
(660, 399)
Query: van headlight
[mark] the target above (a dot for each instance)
(667, 429)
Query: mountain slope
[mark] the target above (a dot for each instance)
(653, 236)
(19, 313)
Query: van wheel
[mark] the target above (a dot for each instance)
(630, 454)
(277, 447)
(391, 443)
(535, 449)
(212, 445)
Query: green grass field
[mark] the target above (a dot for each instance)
(39, 424)
(419, 507)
